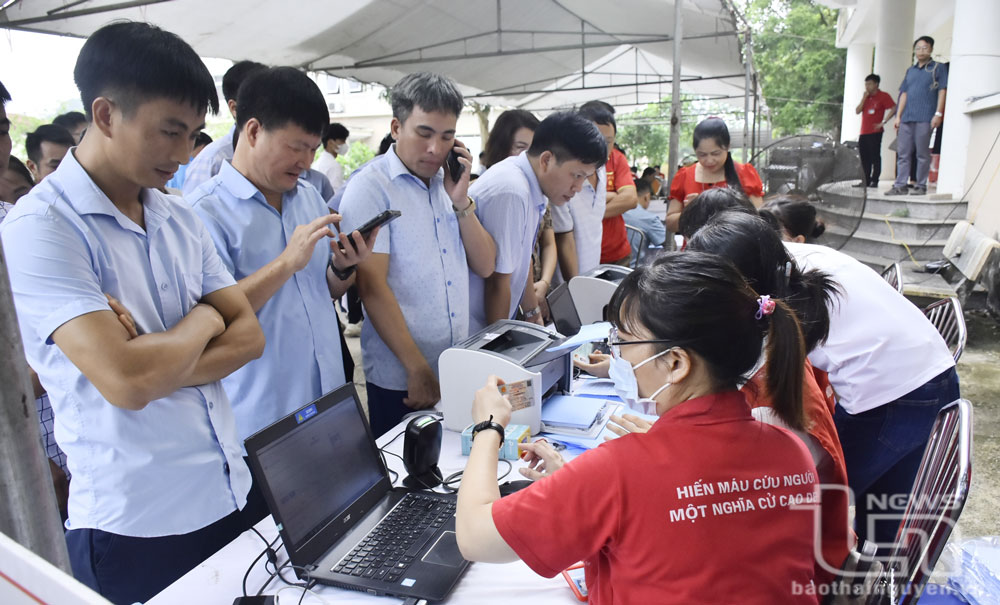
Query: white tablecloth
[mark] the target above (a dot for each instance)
(218, 580)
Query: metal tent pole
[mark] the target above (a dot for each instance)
(675, 90)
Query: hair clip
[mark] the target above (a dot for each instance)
(765, 306)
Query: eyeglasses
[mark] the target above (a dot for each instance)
(615, 344)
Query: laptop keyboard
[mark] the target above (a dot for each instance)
(390, 548)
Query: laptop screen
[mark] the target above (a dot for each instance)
(563, 310)
(319, 468)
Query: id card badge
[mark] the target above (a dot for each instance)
(574, 576)
(520, 394)
(871, 111)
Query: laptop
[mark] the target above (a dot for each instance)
(563, 310)
(341, 521)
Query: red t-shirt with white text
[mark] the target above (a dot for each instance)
(697, 510)
(614, 239)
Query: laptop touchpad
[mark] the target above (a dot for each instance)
(445, 551)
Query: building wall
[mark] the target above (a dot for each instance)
(983, 192)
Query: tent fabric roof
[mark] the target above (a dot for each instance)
(535, 54)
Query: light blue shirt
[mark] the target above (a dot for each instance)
(175, 466)
(649, 224)
(319, 181)
(428, 272)
(302, 358)
(208, 163)
(510, 205)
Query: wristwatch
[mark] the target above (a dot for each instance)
(341, 275)
(489, 424)
(467, 210)
(939, 114)
(531, 312)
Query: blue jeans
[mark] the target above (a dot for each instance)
(126, 570)
(882, 450)
(385, 408)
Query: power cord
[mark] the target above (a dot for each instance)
(269, 552)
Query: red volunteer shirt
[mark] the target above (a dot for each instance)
(684, 184)
(681, 514)
(873, 111)
(614, 239)
(836, 535)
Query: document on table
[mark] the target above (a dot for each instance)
(594, 387)
(581, 442)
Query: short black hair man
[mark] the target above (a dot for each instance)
(46, 147)
(148, 431)
(73, 121)
(334, 144)
(876, 108)
(207, 163)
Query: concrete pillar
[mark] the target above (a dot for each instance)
(893, 55)
(975, 71)
(859, 65)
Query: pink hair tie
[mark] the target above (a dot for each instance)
(765, 306)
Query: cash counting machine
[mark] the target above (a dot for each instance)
(592, 291)
(516, 351)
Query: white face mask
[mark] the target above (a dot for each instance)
(343, 149)
(626, 386)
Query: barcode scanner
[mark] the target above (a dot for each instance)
(421, 451)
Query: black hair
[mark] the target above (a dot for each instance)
(595, 104)
(701, 303)
(501, 138)
(796, 215)
(926, 39)
(598, 115)
(203, 139)
(649, 171)
(709, 203)
(428, 91)
(237, 75)
(134, 62)
(874, 78)
(4, 95)
(46, 133)
(335, 131)
(642, 186)
(16, 165)
(276, 96)
(385, 143)
(756, 250)
(569, 136)
(69, 119)
(715, 129)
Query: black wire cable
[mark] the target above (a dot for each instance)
(268, 551)
(306, 589)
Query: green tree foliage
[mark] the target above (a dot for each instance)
(801, 71)
(358, 154)
(646, 133)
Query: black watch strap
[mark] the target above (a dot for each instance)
(341, 275)
(487, 425)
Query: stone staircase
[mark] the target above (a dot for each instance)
(907, 229)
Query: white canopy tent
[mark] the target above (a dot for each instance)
(535, 54)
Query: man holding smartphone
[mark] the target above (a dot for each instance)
(511, 198)
(272, 231)
(415, 285)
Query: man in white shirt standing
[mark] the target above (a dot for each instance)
(334, 144)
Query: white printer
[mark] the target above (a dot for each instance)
(516, 351)
(592, 291)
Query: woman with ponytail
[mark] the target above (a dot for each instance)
(757, 251)
(715, 168)
(794, 217)
(702, 507)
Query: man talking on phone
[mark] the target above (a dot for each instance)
(415, 285)
(511, 197)
(272, 231)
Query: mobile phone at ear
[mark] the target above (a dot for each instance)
(379, 220)
(455, 168)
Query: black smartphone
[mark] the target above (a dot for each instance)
(379, 220)
(258, 600)
(455, 167)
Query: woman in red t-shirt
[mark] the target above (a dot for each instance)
(715, 168)
(703, 508)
